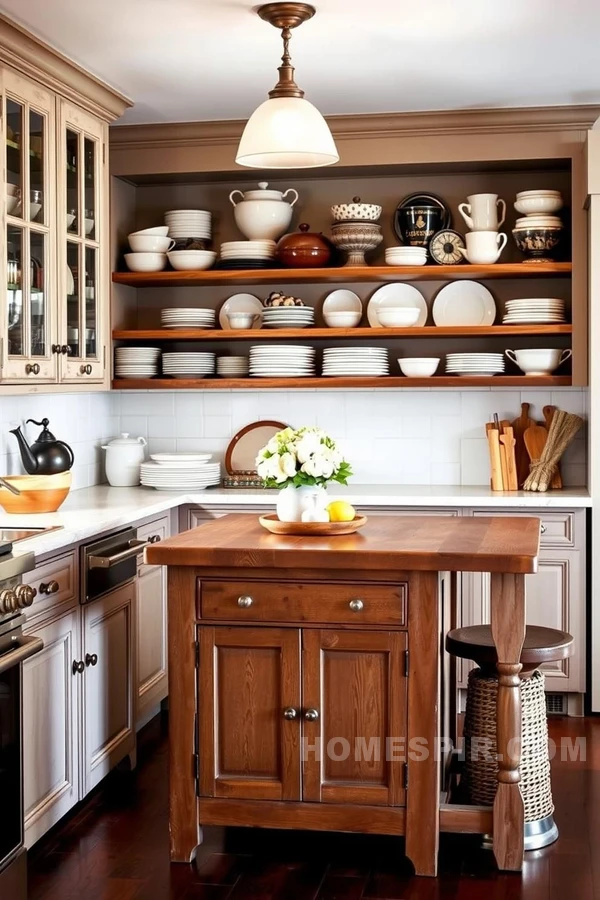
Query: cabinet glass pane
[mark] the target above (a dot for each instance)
(38, 298)
(73, 200)
(14, 157)
(91, 316)
(73, 317)
(37, 150)
(90, 187)
(16, 328)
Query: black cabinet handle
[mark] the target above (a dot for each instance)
(91, 659)
(78, 666)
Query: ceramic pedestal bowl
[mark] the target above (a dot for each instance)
(39, 493)
(356, 239)
(537, 244)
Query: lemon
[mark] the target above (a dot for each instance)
(340, 511)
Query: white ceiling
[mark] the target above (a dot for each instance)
(214, 59)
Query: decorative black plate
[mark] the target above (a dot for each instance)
(443, 247)
(247, 264)
(420, 199)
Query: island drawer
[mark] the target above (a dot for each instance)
(268, 601)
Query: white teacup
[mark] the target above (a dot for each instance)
(480, 212)
(539, 361)
(242, 319)
(483, 247)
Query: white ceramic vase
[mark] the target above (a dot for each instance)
(293, 501)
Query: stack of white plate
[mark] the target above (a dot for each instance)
(180, 317)
(261, 250)
(342, 361)
(232, 366)
(282, 361)
(540, 221)
(136, 362)
(189, 223)
(406, 256)
(188, 365)
(288, 316)
(474, 363)
(180, 472)
(530, 312)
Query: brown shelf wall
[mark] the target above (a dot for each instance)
(389, 381)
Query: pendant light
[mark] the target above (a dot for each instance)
(286, 131)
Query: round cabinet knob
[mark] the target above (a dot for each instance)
(290, 713)
(543, 529)
(245, 602)
(25, 595)
(56, 348)
(49, 587)
(8, 601)
(154, 539)
(356, 605)
(91, 659)
(65, 349)
(86, 369)
(32, 369)
(311, 715)
(78, 666)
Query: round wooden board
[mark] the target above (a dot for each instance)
(311, 529)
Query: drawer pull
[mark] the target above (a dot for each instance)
(311, 715)
(245, 601)
(543, 529)
(49, 587)
(290, 713)
(356, 605)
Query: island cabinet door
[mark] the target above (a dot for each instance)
(354, 716)
(249, 713)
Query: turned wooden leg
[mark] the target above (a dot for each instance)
(508, 631)
(423, 794)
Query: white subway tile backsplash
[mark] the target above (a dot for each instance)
(161, 426)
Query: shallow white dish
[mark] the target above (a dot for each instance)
(344, 319)
(342, 301)
(418, 366)
(180, 457)
(396, 295)
(187, 260)
(243, 303)
(159, 230)
(146, 262)
(464, 303)
(400, 317)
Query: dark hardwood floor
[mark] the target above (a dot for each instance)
(115, 847)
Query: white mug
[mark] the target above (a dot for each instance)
(481, 212)
(539, 361)
(483, 247)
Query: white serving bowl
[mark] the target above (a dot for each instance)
(419, 366)
(146, 262)
(539, 192)
(34, 209)
(158, 230)
(187, 260)
(542, 205)
(150, 243)
(538, 361)
(242, 319)
(398, 316)
(344, 319)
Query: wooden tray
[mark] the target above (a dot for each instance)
(311, 529)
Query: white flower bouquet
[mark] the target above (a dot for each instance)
(303, 457)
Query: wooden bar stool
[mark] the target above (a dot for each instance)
(481, 768)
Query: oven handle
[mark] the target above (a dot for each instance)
(135, 548)
(28, 646)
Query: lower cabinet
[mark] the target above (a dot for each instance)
(152, 680)
(302, 714)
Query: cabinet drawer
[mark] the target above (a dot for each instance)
(55, 582)
(382, 604)
(159, 528)
(558, 528)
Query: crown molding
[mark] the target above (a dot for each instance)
(32, 57)
(378, 125)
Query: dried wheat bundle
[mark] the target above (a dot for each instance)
(563, 429)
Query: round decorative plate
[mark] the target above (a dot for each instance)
(241, 303)
(443, 247)
(311, 529)
(464, 303)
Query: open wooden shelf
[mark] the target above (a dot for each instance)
(386, 381)
(278, 334)
(341, 274)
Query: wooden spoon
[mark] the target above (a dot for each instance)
(535, 440)
(520, 426)
(548, 416)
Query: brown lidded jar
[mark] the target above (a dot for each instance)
(307, 250)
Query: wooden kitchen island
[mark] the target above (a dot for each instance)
(305, 678)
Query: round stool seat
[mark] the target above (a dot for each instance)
(541, 645)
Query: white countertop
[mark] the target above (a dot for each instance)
(94, 510)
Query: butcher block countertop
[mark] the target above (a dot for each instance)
(432, 543)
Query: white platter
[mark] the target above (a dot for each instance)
(396, 295)
(464, 303)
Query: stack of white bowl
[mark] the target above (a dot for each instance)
(189, 224)
(350, 361)
(539, 203)
(232, 366)
(406, 256)
(149, 246)
(288, 316)
(136, 362)
(188, 365)
(184, 317)
(259, 252)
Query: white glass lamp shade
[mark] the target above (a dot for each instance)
(286, 133)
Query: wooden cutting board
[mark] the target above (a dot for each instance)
(535, 438)
(520, 426)
(549, 411)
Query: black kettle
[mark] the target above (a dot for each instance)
(46, 456)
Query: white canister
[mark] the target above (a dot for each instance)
(263, 215)
(124, 457)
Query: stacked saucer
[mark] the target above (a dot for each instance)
(247, 254)
(232, 366)
(180, 472)
(534, 311)
(136, 362)
(189, 224)
(182, 317)
(474, 363)
(282, 361)
(288, 316)
(342, 361)
(188, 365)
(406, 256)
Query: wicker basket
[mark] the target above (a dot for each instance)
(481, 767)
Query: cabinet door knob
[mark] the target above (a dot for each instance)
(49, 587)
(245, 602)
(78, 666)
(311, 715)
(91, 659)
(356, 605)
(86, 369)
(65, 349)
(543, 529)
(32, 369)
(290, 713)
(154, 539)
